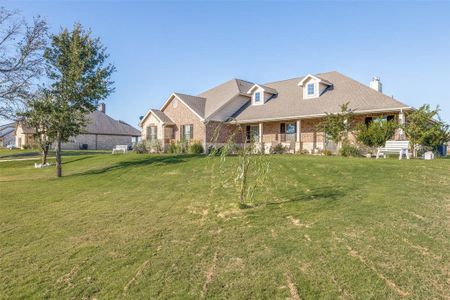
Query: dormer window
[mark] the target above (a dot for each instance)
(314, 86)
(261, 94)
(257, 97)
(310, 89)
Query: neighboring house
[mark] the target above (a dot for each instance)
(7, 134)
(101, 133)
(286, 112)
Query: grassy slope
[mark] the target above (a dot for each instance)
(130, 226)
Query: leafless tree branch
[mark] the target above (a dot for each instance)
(21, 59)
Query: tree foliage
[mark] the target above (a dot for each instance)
(337, 126)
(21, 61)
(36, 116)
(424, 127)
(80, 76)
(375, 134)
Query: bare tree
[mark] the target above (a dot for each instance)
(21, 59)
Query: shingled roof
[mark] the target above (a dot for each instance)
(289, 102)
(100, 123)
(197, 104)
(162, 116)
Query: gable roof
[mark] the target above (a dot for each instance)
(97, 122)
(100, 123)
(265, 88)
(319, 79)
(197, 104)
(8, 125)
(6, 130)
(289, 102)
(162, 116)
(25, 128)
(217, 97)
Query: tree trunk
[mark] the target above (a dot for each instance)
(58, 156)
(413, 147)
(44, 154)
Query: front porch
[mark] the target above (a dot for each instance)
(302, 135)
(294, 135)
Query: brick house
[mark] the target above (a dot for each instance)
(283, 112)
(101, 133)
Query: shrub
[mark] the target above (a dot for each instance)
(304, 151)
(327, 152)
(278, 149)
(348, 150)
(154, 146)
(178, 147)
(141, 147)
(376, 133)
(196, 148)
(172, 148)
(214, 150)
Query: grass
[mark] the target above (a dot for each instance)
(6, 154)
(144, 226)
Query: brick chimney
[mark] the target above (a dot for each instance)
(376, 84)
(102, 108)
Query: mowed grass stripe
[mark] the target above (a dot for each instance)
(149, 226)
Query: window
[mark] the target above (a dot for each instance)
(152, 133)
(311, 89)
(252, 133)
(257, 97)
(290, 128)
(187, 132)
(288, 132)
(381, 119)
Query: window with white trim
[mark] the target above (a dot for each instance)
(152, 133)
(257, 97)
(310, 88)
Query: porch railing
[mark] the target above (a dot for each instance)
(287, 137)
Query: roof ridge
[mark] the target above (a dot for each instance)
(298, 77)
(244, 80)
(368, 87)
(178, 93)
(283, 80)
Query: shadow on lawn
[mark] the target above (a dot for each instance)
(328, 193)
(154, 160)
(19, 155)
(52, 153)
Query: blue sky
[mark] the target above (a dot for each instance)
(188, 47)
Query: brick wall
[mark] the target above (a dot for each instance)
(220, 133)
(180, 114)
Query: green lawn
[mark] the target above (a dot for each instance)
(141, 226)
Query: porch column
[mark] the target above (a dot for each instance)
(298, 137)
(163, 137)
(260, 137)
(401, 122)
